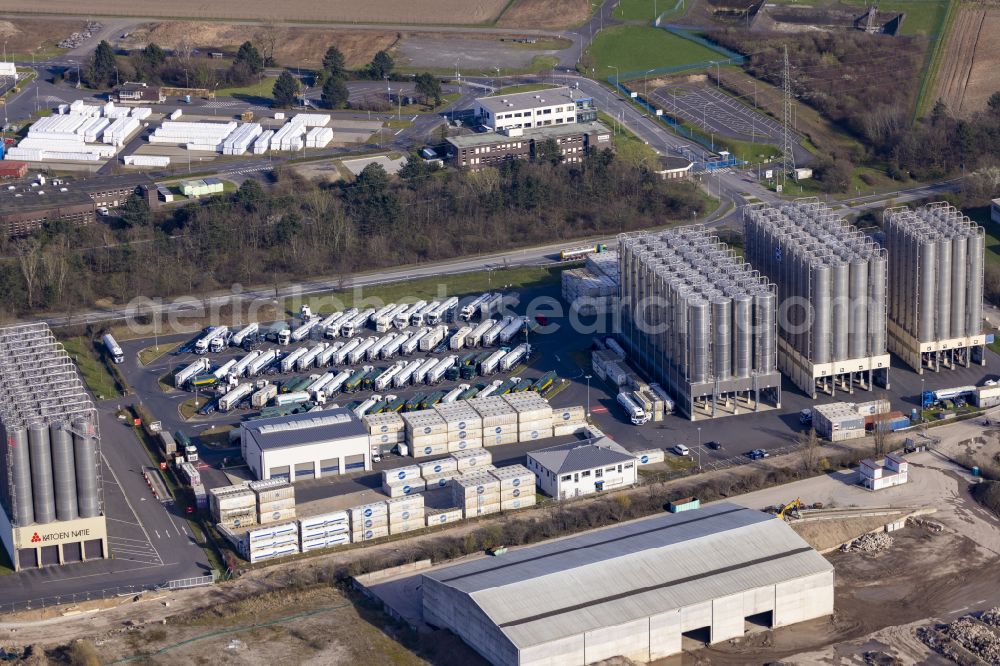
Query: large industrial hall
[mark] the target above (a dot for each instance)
(633, 590)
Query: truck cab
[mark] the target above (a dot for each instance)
(191, 453)
(806, 416)
(284, 336)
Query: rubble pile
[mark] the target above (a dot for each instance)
(991, 617)
(873, 543)
(977, 638)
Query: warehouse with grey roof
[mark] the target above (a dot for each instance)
(632, 590)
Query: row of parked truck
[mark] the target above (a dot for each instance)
(352, 321)
(323, 354)
(319, 388)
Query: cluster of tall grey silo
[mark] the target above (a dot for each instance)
(697, 318)
(51, 457)
(935, 286)
(831, 282)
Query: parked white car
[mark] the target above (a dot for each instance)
(681, 450)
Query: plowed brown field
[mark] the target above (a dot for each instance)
(545, 14)
(292, 46)
(341, 11)
(968, 72)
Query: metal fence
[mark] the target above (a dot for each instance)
(198, 581)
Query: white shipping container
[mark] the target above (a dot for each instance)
(565, 429)
(440, 480)
(369, 534)
(518, 503)
(481, 510)
(438, 466)
(367, 510)
(417, 523)
(390, 422)
(514, 476)
(465, 444)
(515, 493)
(369, 522)
(404, 487)
(325, 542)
(443, 517)
(568, 415)
(325, 523)
(467, 460)
(425, 450)
(401, 474)
(500, 440)
(402, 504)
(424, 422)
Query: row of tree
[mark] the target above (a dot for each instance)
(298, 228)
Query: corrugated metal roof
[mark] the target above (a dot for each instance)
(287, 431)
(578, 456)
(604, 578)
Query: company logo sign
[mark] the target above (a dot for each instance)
(644, 459)
(480, 489)
(461, 434)
(407, 489)
(427, 450)
(462, 444)
(566, 416)
(427, 430)
(401, 475)
(385, 438)
(534, 434)
(498, 430)
(369, 523)
(368, 513)
(442, 518)
(406, 515)
(516, 482)
(461, 425)
(437, 469)
(59, 536)
(517, 492)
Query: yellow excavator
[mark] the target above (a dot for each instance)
(794, 504)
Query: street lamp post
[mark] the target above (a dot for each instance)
(617, 74)
(699, 449)
(587, 377)
(921, 400)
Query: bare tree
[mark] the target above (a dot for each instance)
(267, 37)
(809, 445)
(28, 254)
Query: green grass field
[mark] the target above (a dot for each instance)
(261, 90)
(95, 374)
(641, 10)
(150, 354)
(636, 48)
(431, 288)
(629, 147)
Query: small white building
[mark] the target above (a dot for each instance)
(8, 70)
(306, 446)
(582, 468)
(555, 106)
(892, 473)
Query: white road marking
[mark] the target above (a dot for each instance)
(157, 533)
(118, 520)
(62, 580)
(129, 504)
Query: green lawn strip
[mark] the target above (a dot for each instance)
(635, 48)
(433, 288)
(95, 372)
(150, 354)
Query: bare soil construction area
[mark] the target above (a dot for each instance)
(444, 12)
(22, 36)
(968, 71)
(545, 14)
(292, 46)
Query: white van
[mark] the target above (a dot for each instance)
(681, 450)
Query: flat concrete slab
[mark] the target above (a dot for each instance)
(390, 165)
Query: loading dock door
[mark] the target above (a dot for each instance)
(27, 558)
(281, 473)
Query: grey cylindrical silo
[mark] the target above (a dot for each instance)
(41, 473)
(858, 324)
(20, 463)
(822, 314)
(722, 338)
(974, 291)
(841, 315)
(765, 349)
(698, 337)
(742, 335)
(959, 283)
(87, 489)
(876, 304)
(926, 297)
(944, 288)
(63, 471)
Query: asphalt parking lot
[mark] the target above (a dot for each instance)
(714, 111)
